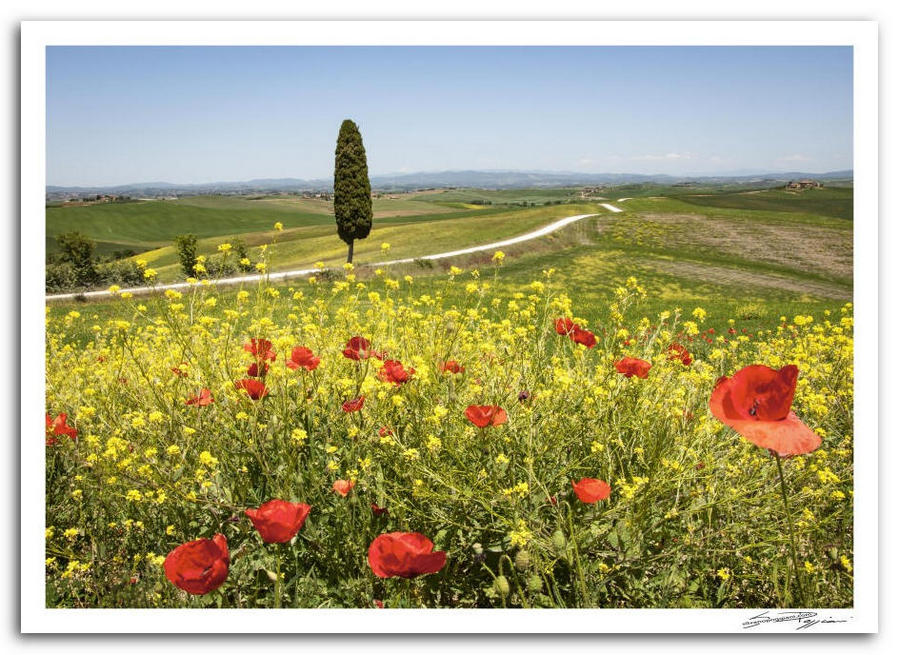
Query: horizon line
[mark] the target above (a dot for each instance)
(732, 173)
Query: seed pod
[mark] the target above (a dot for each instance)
(523, 560)
(501, 586)
(559, 542)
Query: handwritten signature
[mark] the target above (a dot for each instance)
(803, 619)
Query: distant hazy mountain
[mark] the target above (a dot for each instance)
(490, 179)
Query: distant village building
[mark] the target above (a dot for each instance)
(588, 191)
(799, 185)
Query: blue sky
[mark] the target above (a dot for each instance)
(201, 114)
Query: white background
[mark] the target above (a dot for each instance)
(260, 9)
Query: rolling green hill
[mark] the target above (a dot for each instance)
(836, 202)
(152, 224)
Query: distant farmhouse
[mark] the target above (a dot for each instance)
(800, 185)
(588, 191)
(320, 195)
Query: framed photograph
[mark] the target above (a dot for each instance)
(450, 326)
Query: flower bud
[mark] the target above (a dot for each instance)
(501, 586)
(523, 560)
(535, 584)
(559, 542)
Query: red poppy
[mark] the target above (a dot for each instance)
(253, 370)
(343, 487)
(629, 366)
(301, 356)
(56, 427)
(565, 326)
(177, 370)
(404, 555)
(677, 351)
(393, 371)
(261, 349)
(584, 337)
(379, 604)
(277, 521)
(385, 431)
(590, 490)
(357, 348)
(202, 399)
(756, 403)
(254, 388)
(485, 415)
(379, 511)
(200, 566)
(452, 366)
(354, 405)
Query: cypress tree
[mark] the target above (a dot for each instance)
(352, 191)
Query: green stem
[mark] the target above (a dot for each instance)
(790, 523)
(277, 577)
(579, 572)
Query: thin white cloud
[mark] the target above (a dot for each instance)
(669, 156)
(793, 158)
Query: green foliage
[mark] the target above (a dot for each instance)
(60, 277)
(76, 267)
(352, 191)
(78, 250)
(187, 252)
(123, 273)
(245, 265)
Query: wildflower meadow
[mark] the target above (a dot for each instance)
(371, 441)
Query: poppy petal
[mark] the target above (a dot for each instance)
(787, 437)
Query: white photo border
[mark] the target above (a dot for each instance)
(37, 35)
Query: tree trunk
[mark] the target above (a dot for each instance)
(350, 253)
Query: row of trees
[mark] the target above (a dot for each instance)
(76, 266)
